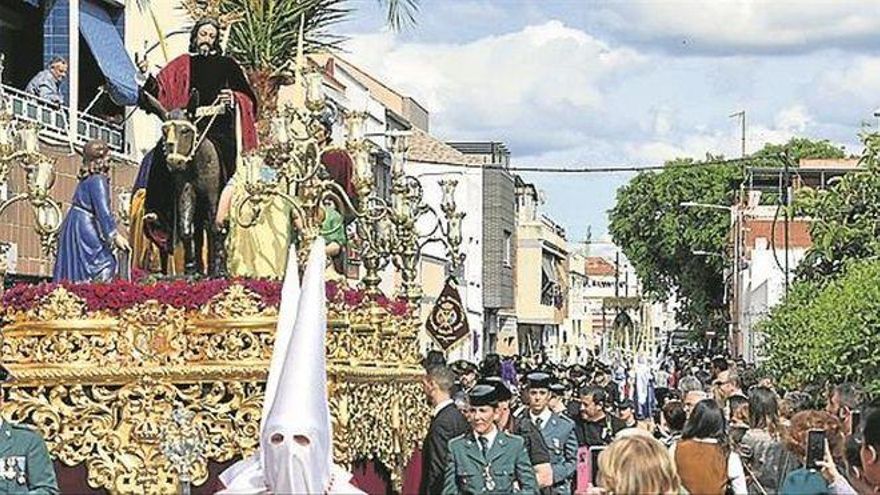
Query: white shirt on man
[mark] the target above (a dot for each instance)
(544, 417)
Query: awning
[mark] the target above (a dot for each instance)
(106, 44)
(549, 270)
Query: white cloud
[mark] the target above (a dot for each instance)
(562, 96)
(860, 82)
(746, 25)
(538, 83)
(787, 123)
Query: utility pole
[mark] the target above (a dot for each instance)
(786, 196)
(617, 274)
(742, 118)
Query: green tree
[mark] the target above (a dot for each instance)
(846, 217)
(796, 148)
(659, 236)
(827, 332)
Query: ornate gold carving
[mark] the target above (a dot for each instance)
(234, 302)
(152, 333)
(116, 431)
(59, 305)
(101, 389)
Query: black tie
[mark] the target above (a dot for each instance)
(539, 422)
(484, 444)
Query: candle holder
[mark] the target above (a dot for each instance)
(183, 444)
(19, 144)
(386, 228)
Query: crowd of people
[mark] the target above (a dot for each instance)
(712, 426)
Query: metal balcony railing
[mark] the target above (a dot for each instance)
(54, 121)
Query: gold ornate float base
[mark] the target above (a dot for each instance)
(102, 389)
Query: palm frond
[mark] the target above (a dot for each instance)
(266, 38)
(401, 13)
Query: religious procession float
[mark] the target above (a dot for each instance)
(144, 364)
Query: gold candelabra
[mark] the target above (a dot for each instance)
(290, 166)
(19, 145)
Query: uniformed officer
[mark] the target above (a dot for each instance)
(487, 460)
(25, 466)
(558, 402)
(557, 430)
(539, 456)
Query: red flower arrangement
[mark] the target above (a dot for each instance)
(119, 295)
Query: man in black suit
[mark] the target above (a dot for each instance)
(448, 423)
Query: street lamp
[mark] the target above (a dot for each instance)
(693, 204)
(734, 300)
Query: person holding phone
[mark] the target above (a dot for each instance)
(805, 441)
(843, 399)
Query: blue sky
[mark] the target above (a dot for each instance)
(599, 83)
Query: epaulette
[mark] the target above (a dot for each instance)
(22, 426)
(564, 418)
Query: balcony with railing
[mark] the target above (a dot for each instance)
(55, 119)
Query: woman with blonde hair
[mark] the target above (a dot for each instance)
(637, 463)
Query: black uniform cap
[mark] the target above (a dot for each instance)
(483, 395)
(558, 387)
(502, 392)
(539, 379)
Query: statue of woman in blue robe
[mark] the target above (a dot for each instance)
(88, 233)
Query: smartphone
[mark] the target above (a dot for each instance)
(815, 448)
(856, 416)
(594, 459)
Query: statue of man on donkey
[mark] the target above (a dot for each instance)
(208, 110)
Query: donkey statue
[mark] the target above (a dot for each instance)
(195, 169)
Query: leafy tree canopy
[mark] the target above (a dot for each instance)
(659, 236)
(829, 332)
(846, 217)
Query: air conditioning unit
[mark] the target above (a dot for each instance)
(11, 257)
(754, 199)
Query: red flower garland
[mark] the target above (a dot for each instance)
(119, 295)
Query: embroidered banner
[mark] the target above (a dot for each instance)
(447, 323)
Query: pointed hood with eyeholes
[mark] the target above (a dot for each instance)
(296, 440)
(287, 311)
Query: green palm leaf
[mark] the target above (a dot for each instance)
(401, 13)
(266, 38)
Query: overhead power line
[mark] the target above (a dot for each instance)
(595, 169)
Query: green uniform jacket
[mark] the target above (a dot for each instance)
(469, 471)
(25, 466)
(562, 443)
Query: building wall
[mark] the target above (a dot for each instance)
(499, 239)
(762, 286)
(577, 326)
(469, 199)
(17, 222)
